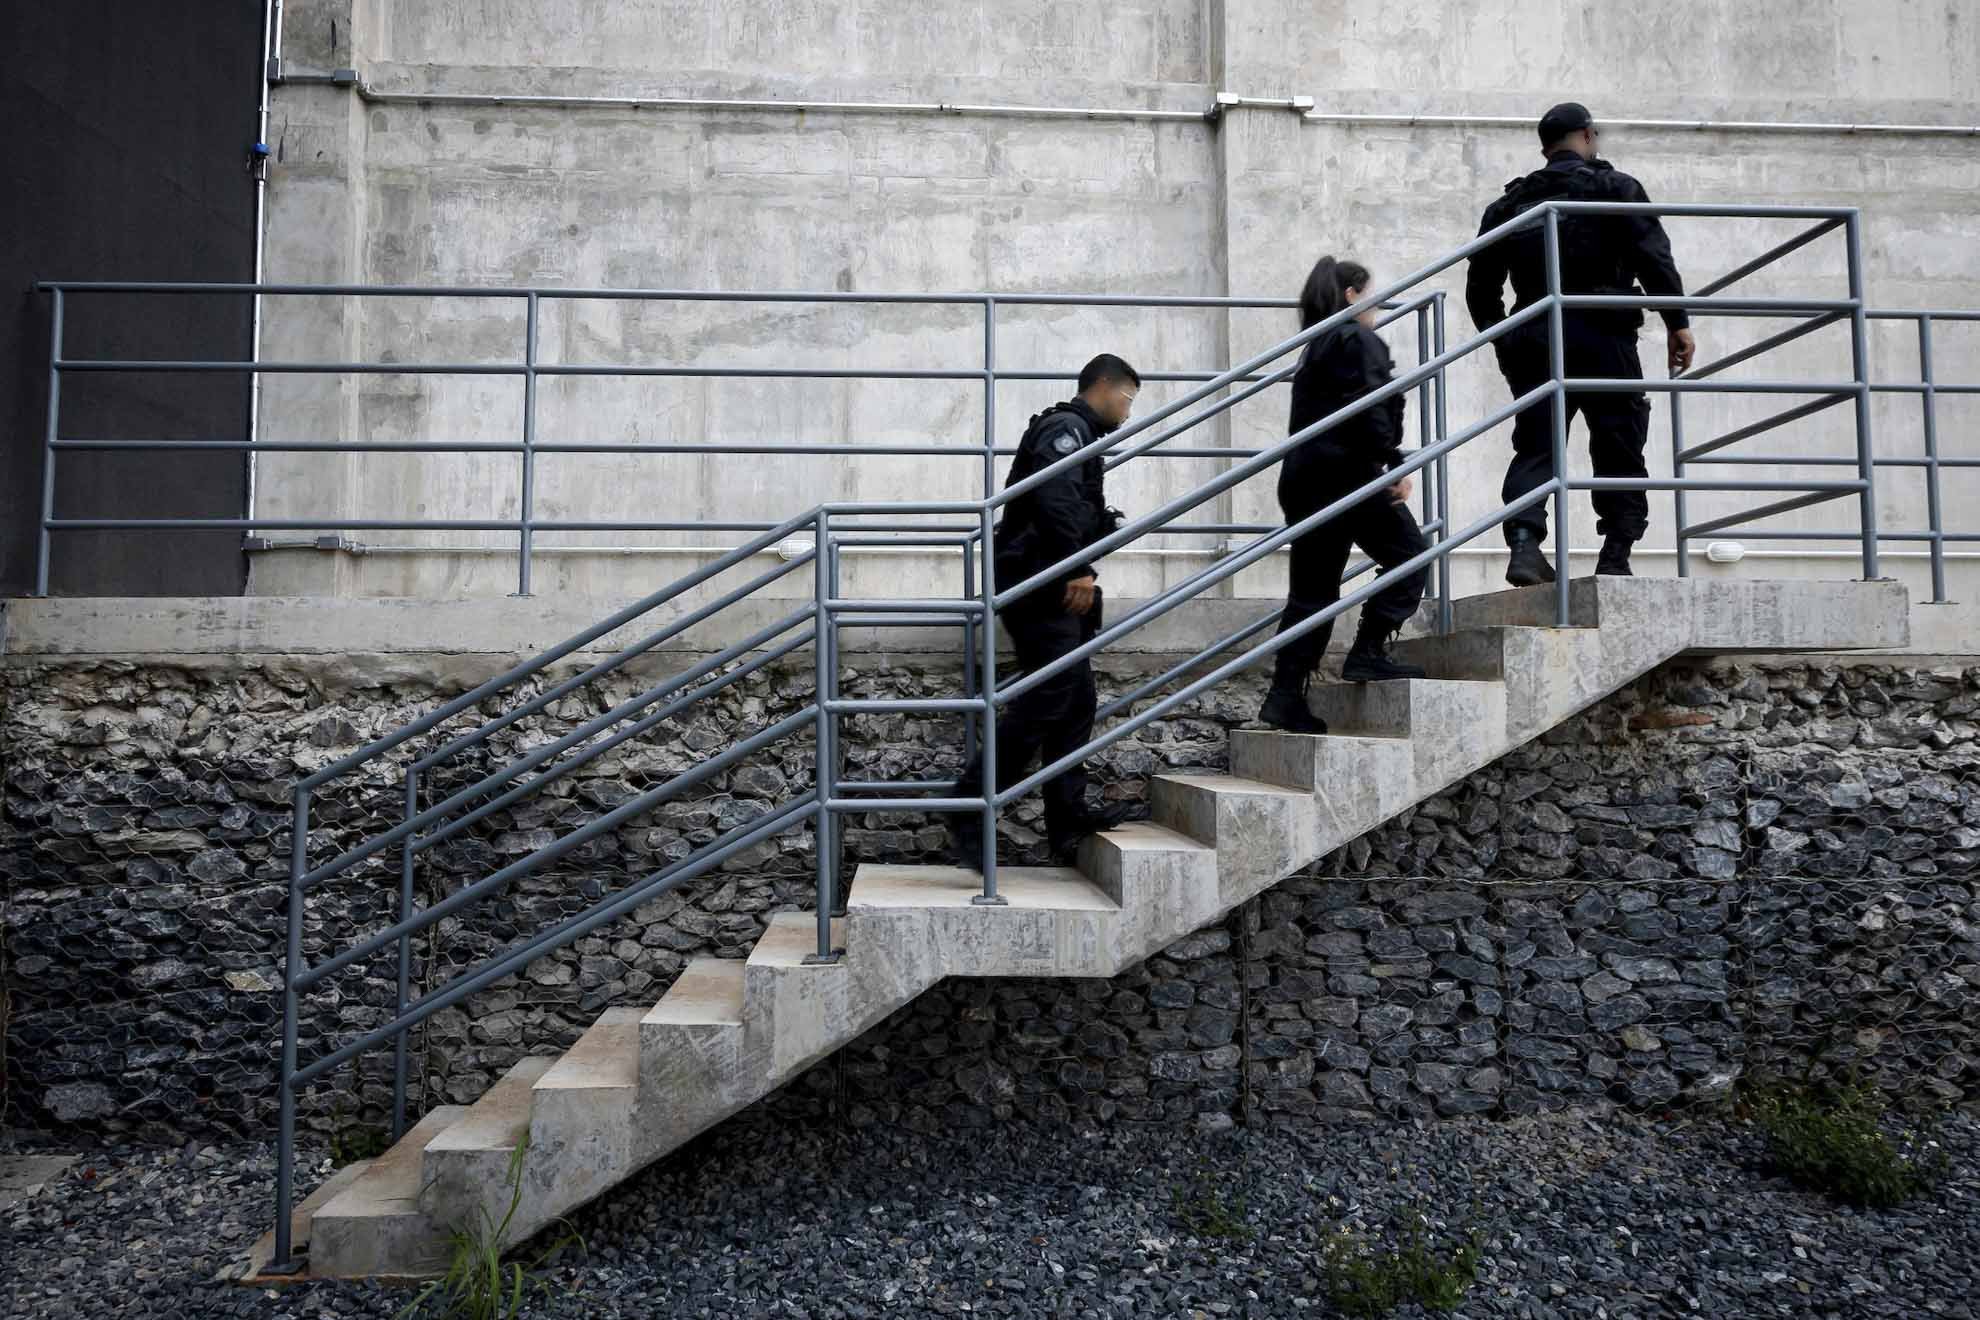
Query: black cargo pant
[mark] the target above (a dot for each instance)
(1386, 531)
(1618, 427)
(1050, 720)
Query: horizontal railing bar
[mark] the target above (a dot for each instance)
(647, 722)
(1764, 511)
(1625, 385)
(1270, 647)
(902, 705)
(1709, 483)
(550, 852)
(900, 786)
(1920, 313)
(572, 928)
(1851, 534)
(907, 605)
(614, 622)
(1701, 209)
(898, 621)
(1683, 302)
(564, 293)
(293, 368)
(905, 804)
(1765, 424)
(1771, 255)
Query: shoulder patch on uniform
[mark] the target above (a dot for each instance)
(1065, 442)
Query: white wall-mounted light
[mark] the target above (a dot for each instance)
(1725, 552)
(792, 547)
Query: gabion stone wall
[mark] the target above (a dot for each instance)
(1723, 869)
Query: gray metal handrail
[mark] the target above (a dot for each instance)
(837, 527)
(529, 367)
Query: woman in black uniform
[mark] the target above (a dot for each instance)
(1339, 367)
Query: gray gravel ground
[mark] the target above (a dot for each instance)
(1597, 1214)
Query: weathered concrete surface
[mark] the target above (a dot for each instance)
(753, 200)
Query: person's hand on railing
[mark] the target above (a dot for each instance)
(1682, 347)
(1079, 594)
(1402, 490)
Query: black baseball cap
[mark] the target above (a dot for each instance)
(1565, 118)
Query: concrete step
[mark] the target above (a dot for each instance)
(1165, 883)
(693, 1070)
(374, 1225)
(1453, 725)
(468, 1165)
(301, 1229)
(1356, 783)
(581, 1110)
(1261, 832)
(794, 1010)
(1053, 920)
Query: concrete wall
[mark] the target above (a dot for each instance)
(758, 200)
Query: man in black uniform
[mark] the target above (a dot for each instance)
(1599, 254)
(1041, 527)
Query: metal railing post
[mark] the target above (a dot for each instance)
(1859, 352)
(407, 855)
(1681, 541)
(1928, 397)
(1557, 364)
(528, 445)
(1442, 468)
(989, 399)
(987, 743)
(48, 446)
(1428, 493)
(283, 1259)
(824, 776)
(969, 648)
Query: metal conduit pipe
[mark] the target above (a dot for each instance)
(1221, 102)
(376, 96)
(1355, 119)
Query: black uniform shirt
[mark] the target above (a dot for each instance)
(1060, 516)
(1599, 254)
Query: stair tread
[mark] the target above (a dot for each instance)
(500, 1118)
(1347, 741)
(389, 1185)
(791, 937)
(1023, 888)
(708, 992)
(1147, 836)
(1226, 783)
(606, 1055)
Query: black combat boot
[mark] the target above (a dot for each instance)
(1063, 836)
(966, 840)
(1614, 559)
(1527, 567)
(1285, 706)
(1369, 661)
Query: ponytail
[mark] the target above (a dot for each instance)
(1326, 289)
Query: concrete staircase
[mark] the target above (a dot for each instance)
(643, 1081)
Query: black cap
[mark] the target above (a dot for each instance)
(1565, 118)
